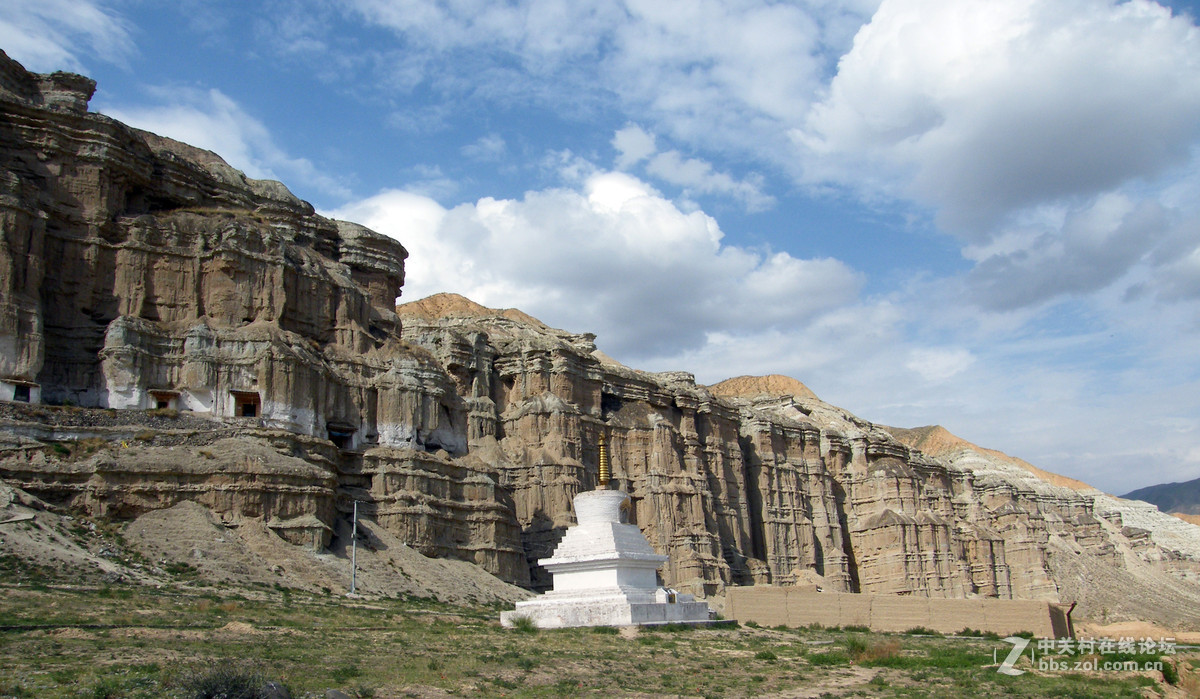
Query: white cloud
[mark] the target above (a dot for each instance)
(709, 73)
(50, 35)
(937, 363)
(487, 148)
(612, 257)
(633, 145)
(982, 108)
(698, 176)
(695, 176)
(211, 120)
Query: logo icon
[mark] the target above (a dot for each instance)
(1006, 667)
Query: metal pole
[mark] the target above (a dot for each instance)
(354, 549)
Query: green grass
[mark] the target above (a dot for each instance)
(137, 643)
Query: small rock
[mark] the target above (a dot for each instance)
(274, 690)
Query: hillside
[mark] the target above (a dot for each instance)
(1175, 498)
(936, 440)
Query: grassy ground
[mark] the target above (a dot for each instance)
(112, 642)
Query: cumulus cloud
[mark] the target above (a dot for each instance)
(708, 73)
(695, 176)
(49, 35)
(611, 256)
(211, 120)
(633, 145)
(980, 108)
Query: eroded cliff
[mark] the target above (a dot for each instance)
(231, 347)
(137, 272)
(756, 480)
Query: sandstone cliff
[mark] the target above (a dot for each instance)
(756, 480)
(137, 272)
(209, 338)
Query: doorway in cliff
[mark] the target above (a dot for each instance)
(246, 403)
(164, 400)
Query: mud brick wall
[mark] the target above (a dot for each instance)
(801, 606)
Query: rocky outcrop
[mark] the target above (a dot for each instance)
(231, 347)
(756, 480)
(137, 272)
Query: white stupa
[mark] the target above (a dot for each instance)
(605, 572)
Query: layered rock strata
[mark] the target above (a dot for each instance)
(137, 272)
(141, 273)
(756, 480)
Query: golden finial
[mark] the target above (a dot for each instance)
(605, 472)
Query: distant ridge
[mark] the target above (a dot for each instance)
(936, 440)
(772, 384)
(449, 305)
(1174, 498)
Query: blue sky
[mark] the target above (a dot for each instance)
(978, 214)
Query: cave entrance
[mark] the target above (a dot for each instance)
(341, 434)
(164, 400)
(246, 403)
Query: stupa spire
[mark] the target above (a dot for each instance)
(605, 470)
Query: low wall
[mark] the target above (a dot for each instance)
(801, 606)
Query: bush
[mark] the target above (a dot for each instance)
(921, 631)
(524, 624)
(765, 655)
(1170, 674)
(972, 633)
(107, 688)
(227, 680)
(830, 658)
(856, 646)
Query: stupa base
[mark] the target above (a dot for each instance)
(558, 610)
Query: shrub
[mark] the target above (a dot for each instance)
(107, 688)
(831, 658)
(921, 631)
(226, 680)
(1169, 673)
(972, 633)
(856, 647)
(524, 624)
(878, 653)
(765, 655)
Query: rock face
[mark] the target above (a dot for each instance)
(756, 480)
(141, 273)
(137, 273)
